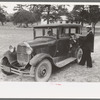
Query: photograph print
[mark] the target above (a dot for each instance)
(49, 42)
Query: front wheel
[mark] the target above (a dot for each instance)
(79, 55)
(5, 62)
(43, 71)
(7, 73)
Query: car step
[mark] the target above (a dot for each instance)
(65, 62)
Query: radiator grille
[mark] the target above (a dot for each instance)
(21, 49)
(22, 56)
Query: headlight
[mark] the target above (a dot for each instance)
(11, 48)
(29, 50)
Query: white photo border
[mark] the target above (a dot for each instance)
(71, 90)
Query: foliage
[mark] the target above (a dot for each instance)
(52, 13)
(77, 12)
(2, 14)
(23, 16)
(86, 13)
(31, 15)
(94, 14)
(35, 12)
(62, 10)
(19, 7)
(2, 18)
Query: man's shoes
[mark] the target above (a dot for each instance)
(89, 66)
(81, 64)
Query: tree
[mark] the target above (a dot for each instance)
(36, 10)
(2, 18)
(52, 13)
(23, 16)
(62, 10)
(87, 13)
(83, 16)
(31, 15)
(39, 10)
(19, 7)
(77, 12)
(2, 14)
(94, 15)
(48, 13)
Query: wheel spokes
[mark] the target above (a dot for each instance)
(42, 71)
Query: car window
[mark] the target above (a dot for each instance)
(52, 32)
(64, 32)
(73, 30)
(39, 32)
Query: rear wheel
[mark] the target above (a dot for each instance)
(79, 55)
(43, 71)
(5, 62)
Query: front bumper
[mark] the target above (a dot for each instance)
(18, 71)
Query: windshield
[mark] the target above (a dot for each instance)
(45, 32)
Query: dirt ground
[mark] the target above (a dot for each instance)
(11, 35)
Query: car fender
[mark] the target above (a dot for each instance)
(39, 57)
(11, 56)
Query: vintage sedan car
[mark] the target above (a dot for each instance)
(54, 45)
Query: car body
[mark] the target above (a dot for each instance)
(54, 45)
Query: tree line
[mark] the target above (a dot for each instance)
(32, 13)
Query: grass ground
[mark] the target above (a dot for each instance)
(11, 35)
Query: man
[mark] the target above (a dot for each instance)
(50, 32)
(88, 48)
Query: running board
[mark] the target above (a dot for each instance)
(65, 62)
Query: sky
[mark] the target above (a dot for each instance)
(10, 5)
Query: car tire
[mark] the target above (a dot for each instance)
(5, 62)
(79, 55)
(43, 71)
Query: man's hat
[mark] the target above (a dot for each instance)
(89, 27)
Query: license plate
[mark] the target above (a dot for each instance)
(5, 68)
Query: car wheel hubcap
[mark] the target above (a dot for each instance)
(79, 56)
(42, 71)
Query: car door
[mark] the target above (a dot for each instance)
(53, 46)
(63, 43)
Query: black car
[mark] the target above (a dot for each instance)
(52, 46)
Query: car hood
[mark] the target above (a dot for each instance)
(40, 42)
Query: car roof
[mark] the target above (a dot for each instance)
(57, 25)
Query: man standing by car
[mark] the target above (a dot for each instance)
(88, 48)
